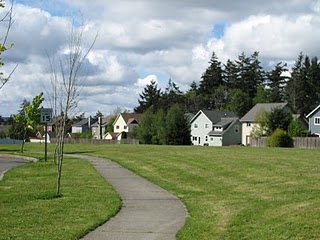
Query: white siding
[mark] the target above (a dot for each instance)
(200, 128)
(120, 125)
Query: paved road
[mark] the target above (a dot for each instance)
(148, 212)
(7, 162)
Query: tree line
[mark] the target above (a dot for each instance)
(238, 85)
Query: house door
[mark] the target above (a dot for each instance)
(247, 140)
(199, 141)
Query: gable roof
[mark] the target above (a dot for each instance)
(84, 122)
(250, 116)
(105, 121)
(313, 111)
(215, 116)
(129, 117)
(226, 123)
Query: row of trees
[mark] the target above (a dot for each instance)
(238, 85)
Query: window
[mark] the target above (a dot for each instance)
(211, 139)
(206, 125)
(236, 129)
(206, 138)
(125, 127)
(317, 121)
(248, 124)
(195, 125)
(117, 127)
(194, 138)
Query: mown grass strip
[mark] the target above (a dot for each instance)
(230, 192)
(30, 209)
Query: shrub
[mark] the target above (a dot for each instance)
(280, 138)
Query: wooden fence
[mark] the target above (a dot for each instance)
(298, 142)
(97, 141)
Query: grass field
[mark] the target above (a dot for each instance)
(230, 192)
(29, 208)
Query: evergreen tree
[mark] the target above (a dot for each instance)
(212, 77)
(238, 102)
(171, 96)
(177, 127)
(251, 74)
(149, 97)
(276, 83)
(159, 128)
(278, 118)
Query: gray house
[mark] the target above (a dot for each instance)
(211, 128)
(226, 132)
(314, 121)
(83, 126)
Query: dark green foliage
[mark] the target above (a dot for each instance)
(177, 127)
(276, 82)
(280, 138)
(145, 130)
(150, 97)
(171, 96)
(296, 129)
(278, 118)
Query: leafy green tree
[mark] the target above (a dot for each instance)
(159, 128)
(109, 127)
(262, 95)
(295, 129)
(278, 118)
(177, 127)
(149, 97)
(145, 130)
(260, 127)
(192, 99)
(29, 117)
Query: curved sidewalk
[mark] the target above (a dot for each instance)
(148, 212)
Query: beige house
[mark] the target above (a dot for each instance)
(248, 120)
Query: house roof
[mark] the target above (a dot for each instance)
(105, 121)
(250, 116)
(215, 116)
(83, 122)
(131, 117)
(226, 123)
(313, 111)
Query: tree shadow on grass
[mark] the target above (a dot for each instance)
(79, 152)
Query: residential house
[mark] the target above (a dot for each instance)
(98, 128)
(225, 133)
(112, 136)
(126, 122)
(314, 121)
(83, 126)
(216, 123)
(248, 120)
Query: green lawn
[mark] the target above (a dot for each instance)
(30, 210)
(230, 192)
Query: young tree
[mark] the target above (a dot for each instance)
(149, 97)
(145, 130)
(29, 117)
(69, 80)
(6, 20)
(261, 127)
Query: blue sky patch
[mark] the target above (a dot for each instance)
(218, 30)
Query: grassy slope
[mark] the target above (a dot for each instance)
(231, 193)
(30, 210)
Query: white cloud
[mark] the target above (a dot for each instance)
(149, 39)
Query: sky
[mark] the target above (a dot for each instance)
(143, 40)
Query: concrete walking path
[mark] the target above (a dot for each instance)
(148, 212)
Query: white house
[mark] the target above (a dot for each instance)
(248, 120)
(126, 122)
(204, 123)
